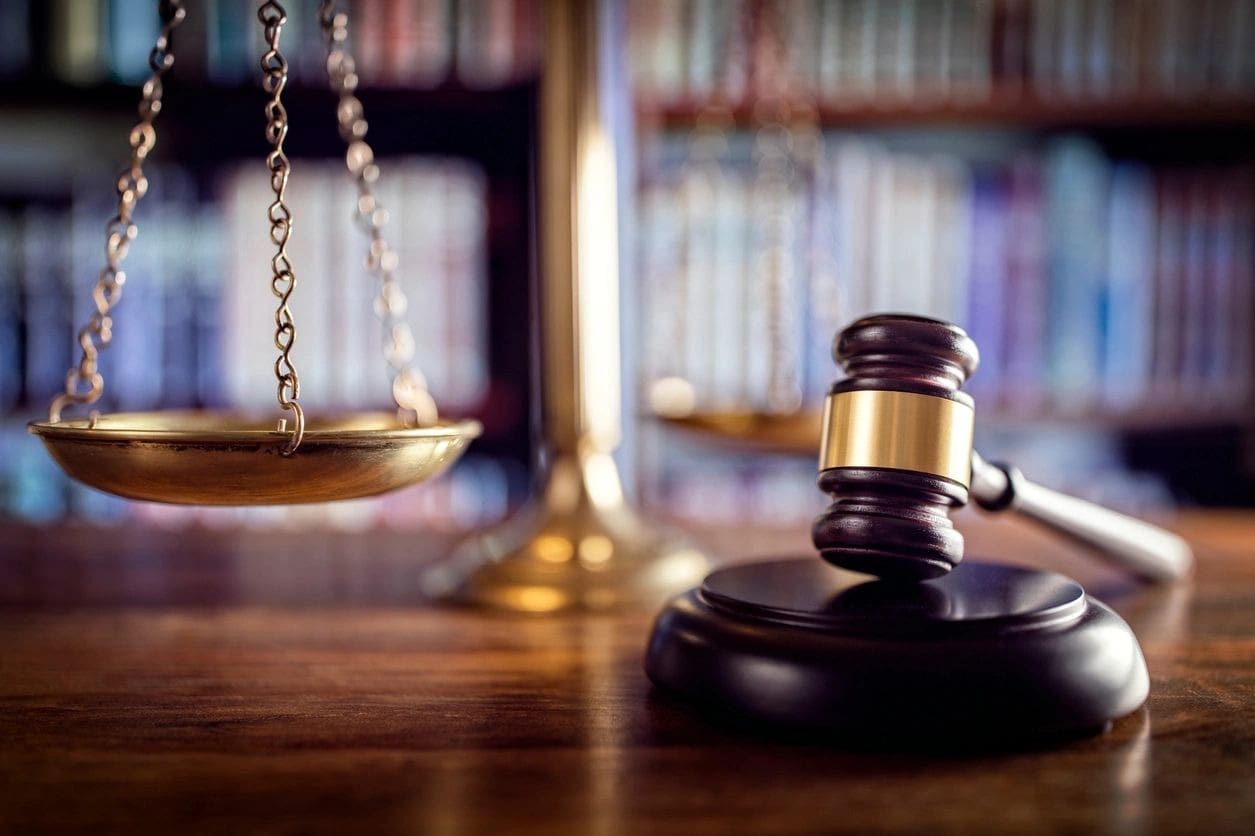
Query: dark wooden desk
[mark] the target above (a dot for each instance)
(197, 682)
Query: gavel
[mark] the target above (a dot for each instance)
(1011, 653)
(897, 455)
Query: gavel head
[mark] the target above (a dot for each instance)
(897, 447)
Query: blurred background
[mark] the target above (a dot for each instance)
(1072, 181)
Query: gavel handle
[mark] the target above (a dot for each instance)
(1144, 549)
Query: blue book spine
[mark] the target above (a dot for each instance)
(988, 280)
(1130, 307)
(230, 58)
(34, 489)
(133, 27)
(178, 304)
(208, 312)
(1077, 180)
(10, 314)
(47, 304)
(15, 58)
(825, 309)
(134, 360)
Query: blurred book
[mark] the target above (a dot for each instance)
(842, 52)
(16, 57)
(399, 43)
(1092, 286)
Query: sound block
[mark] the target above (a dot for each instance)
(987, 652)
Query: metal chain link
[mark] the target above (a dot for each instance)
(83, 383)
(415, 405)
(283, 280)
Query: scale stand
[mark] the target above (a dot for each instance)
(578, 544)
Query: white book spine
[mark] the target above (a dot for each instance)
(248, 328)
(730, 271)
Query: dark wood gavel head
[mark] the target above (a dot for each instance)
(897, 447)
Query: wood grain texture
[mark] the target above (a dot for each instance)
(201, 682)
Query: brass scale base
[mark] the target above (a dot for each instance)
(578, 545)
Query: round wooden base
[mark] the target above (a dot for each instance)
(987, 652)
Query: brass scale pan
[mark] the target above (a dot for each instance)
(212, 458)
(206, 458)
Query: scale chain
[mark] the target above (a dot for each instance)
(84, 383)
(409, 388)
(283, 281)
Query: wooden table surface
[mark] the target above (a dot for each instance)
(202, 682)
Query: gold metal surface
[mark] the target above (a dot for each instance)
(206, 458)
(899, 430)
(578, 544)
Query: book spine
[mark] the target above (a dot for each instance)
(135, 354)
(1099, 33)
(16, 58)
(311, 304)
(828, 69)
(1012, 46)
(423, 54)
(133, 26)
(1077, 188)
(208, 284)
(1242, 269)
(47, 302)
(702, 23)
(10, 313)
(1027, 292)
(1044, 21)
(952, 241)
(376, 40)
(467, 350)
(854, 165)
(232, 58)
(248, 305)
(191, 41)
(77, 39)
(825, 303)
(988, 281)
(1223, 340)
(701, 281)
(1130, 327)
(1169, 286)
(1198, 308)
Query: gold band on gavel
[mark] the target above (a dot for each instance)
(899, 430)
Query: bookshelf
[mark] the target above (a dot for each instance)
(1007, 109)
(1072, 182)
(1151, 112)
